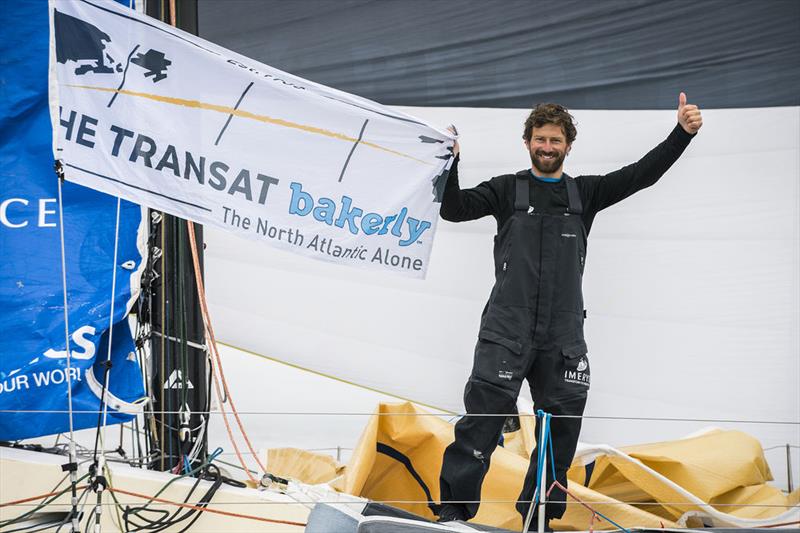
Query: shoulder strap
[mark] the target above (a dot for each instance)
(522, 198)
(573, 196)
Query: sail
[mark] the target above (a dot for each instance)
(692, 287)
(683, 294)
(161, 117)
(714, 479)
(33, 363)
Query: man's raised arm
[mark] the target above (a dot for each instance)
(607, 190)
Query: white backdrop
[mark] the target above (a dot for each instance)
(691, 287)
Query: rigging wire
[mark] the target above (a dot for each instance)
(163, 297)
(152, 438)
(143, 313)
(99, 482)
(102, 418)
(72, 465)
(441, 414)
(184, 418)
(169, 320)
(238, 484)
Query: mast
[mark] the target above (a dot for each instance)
(178, 362)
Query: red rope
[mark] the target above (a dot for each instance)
(26, 500)
(783, 524)
(562, 487)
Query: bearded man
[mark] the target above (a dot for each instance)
(532, 325)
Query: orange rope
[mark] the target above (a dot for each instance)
(206, 509)
(26, 500)
(217, 387)
(213, 347)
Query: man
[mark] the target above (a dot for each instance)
(532, 325)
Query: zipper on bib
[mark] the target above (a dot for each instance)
(539, 285)
(503, 269)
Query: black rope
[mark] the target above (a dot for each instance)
(106, 369)
(167, 520)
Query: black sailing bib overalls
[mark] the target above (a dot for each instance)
(531, 328)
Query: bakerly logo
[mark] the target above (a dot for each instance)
(326, 210)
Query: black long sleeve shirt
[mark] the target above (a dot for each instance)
(496, 196)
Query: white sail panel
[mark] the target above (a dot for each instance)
(691, 286)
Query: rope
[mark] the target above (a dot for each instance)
(213, 347)
(543, 421)
(4, 524)
(594, 512)
(217, 390)
(783, 524)
(206, 509)
(41, 496)
(550, 444)
(543, 447)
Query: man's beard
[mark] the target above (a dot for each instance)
(547, 166)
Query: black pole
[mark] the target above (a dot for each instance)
(178, 362)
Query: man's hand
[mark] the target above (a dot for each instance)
(454, 131)
(689, 116)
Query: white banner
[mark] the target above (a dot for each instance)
(144, 111)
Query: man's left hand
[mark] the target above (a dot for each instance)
(454, 131)
(689, 116)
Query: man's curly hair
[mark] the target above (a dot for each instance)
(550, 114)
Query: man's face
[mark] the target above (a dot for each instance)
(548, 147)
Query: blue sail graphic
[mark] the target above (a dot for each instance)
(33, 364)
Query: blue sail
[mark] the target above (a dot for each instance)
(33, 364)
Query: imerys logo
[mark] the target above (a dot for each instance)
(580, 375)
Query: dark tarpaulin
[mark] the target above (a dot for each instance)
(614, 54)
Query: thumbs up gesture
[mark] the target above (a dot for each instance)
(689, 116)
